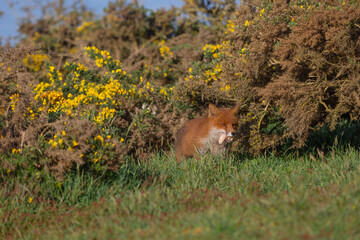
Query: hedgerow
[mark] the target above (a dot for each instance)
(119, 87)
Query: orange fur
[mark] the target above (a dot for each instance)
(203, 134)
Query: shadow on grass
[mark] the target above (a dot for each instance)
(83, 187)
(345, 134)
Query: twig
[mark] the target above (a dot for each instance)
(262, 117)
(281, 122)
(22, 140)
(273, 61)
(324, 104)
(60, 61)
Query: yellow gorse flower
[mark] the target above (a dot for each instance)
(99, 138)
(164, 50)
(83, 26)
(74, 143)
(14, 150)
(13, 101)
(230, 27)
(215, 50)
(104, 115)
(262, 12)
(35, 61)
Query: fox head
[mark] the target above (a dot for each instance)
(224, 121)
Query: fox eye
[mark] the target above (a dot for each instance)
(234, 125)
(223, 124)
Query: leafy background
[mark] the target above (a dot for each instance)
(81, 90)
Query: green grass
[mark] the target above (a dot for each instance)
(267, 197)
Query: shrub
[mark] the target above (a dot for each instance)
(91, 115)
(293, 66)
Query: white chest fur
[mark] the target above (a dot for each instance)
(211, 142)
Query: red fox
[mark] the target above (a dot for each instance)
(207, 134)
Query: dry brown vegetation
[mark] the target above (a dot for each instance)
(293, 67)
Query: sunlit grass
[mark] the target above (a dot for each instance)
(265, 197)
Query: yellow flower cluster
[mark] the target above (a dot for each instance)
(215, 51)
(164, 50)
(209, 75)
(36, 36)
(40, 88)
(15, 150)
(61, 141)
(56, 142)
(165, 92)
(13, 101)
(230, 27)
(247, 23)
(190, 77)
(97, 158)
(52, 100)
(79, 67)
(87, 91)
(262, 12)
(83, 26)
(54, 74)
(211, 48)
(212, 74)
(105, 114)
(94, 94)
(35, 61)
(309, 6)
(101, 57)
(226, 88)
(243, 53)
(99, 138)
(31, 114)
(101, 148)
(148, 86)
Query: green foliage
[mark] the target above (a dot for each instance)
(210, 197)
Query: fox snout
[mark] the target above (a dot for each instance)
(230, 130)
(231, 134)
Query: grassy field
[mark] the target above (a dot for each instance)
(268, 197)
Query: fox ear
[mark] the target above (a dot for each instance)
(236, 109)
(213, 111)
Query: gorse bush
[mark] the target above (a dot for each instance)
(95, 114)
(120, 87)
(293, 66)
